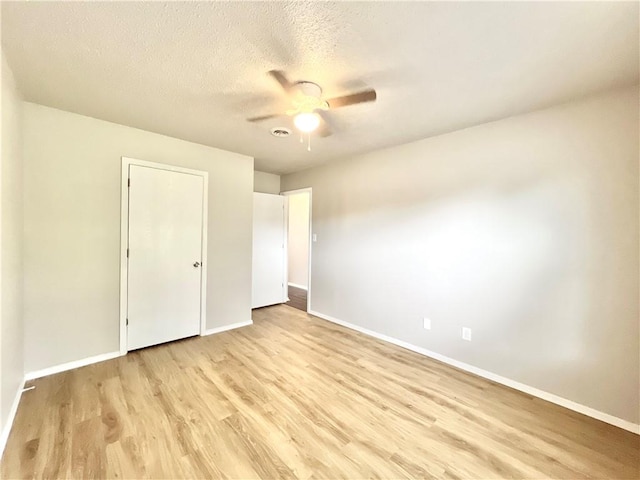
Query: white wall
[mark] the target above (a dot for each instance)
(524, 229)
(266, 182)
(298, 239)
(11, 216)
(72, 230)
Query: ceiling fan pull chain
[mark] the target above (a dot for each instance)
(309, 146)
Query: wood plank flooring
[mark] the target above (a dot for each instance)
(294, 396)
(297, 298)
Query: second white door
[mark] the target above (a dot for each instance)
(165, 255)
(268, 250)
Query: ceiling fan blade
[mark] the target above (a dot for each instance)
(346, 100)
(326, 127)
(280, 77)
(264, 117)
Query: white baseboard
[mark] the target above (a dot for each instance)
(225, 328)
(70, 365)
(550, 397)
(4, 436)
(301, 287)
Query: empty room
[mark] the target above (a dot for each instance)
(320, 240)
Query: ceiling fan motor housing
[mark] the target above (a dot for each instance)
(308, 89)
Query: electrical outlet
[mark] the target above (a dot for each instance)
(427, 323)
(466, 334)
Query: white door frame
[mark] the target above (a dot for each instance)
(308, 190)
(124, 241)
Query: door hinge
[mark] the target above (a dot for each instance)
(127, 322)
(127, 253)
(128, 182)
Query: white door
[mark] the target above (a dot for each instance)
(268, 250)
(165, 255)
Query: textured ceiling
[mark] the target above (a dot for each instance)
(196, 70)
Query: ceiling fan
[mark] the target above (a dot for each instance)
(309, 109)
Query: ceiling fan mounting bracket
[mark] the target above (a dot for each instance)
(308, 89)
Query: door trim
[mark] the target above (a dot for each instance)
(308, 190)
(124, 236)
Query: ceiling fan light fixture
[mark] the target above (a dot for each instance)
(306, 121)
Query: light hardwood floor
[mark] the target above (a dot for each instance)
(297, 298)
(296, 396)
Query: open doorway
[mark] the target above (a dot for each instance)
(299, 248)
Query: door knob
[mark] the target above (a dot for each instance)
(197, 264)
